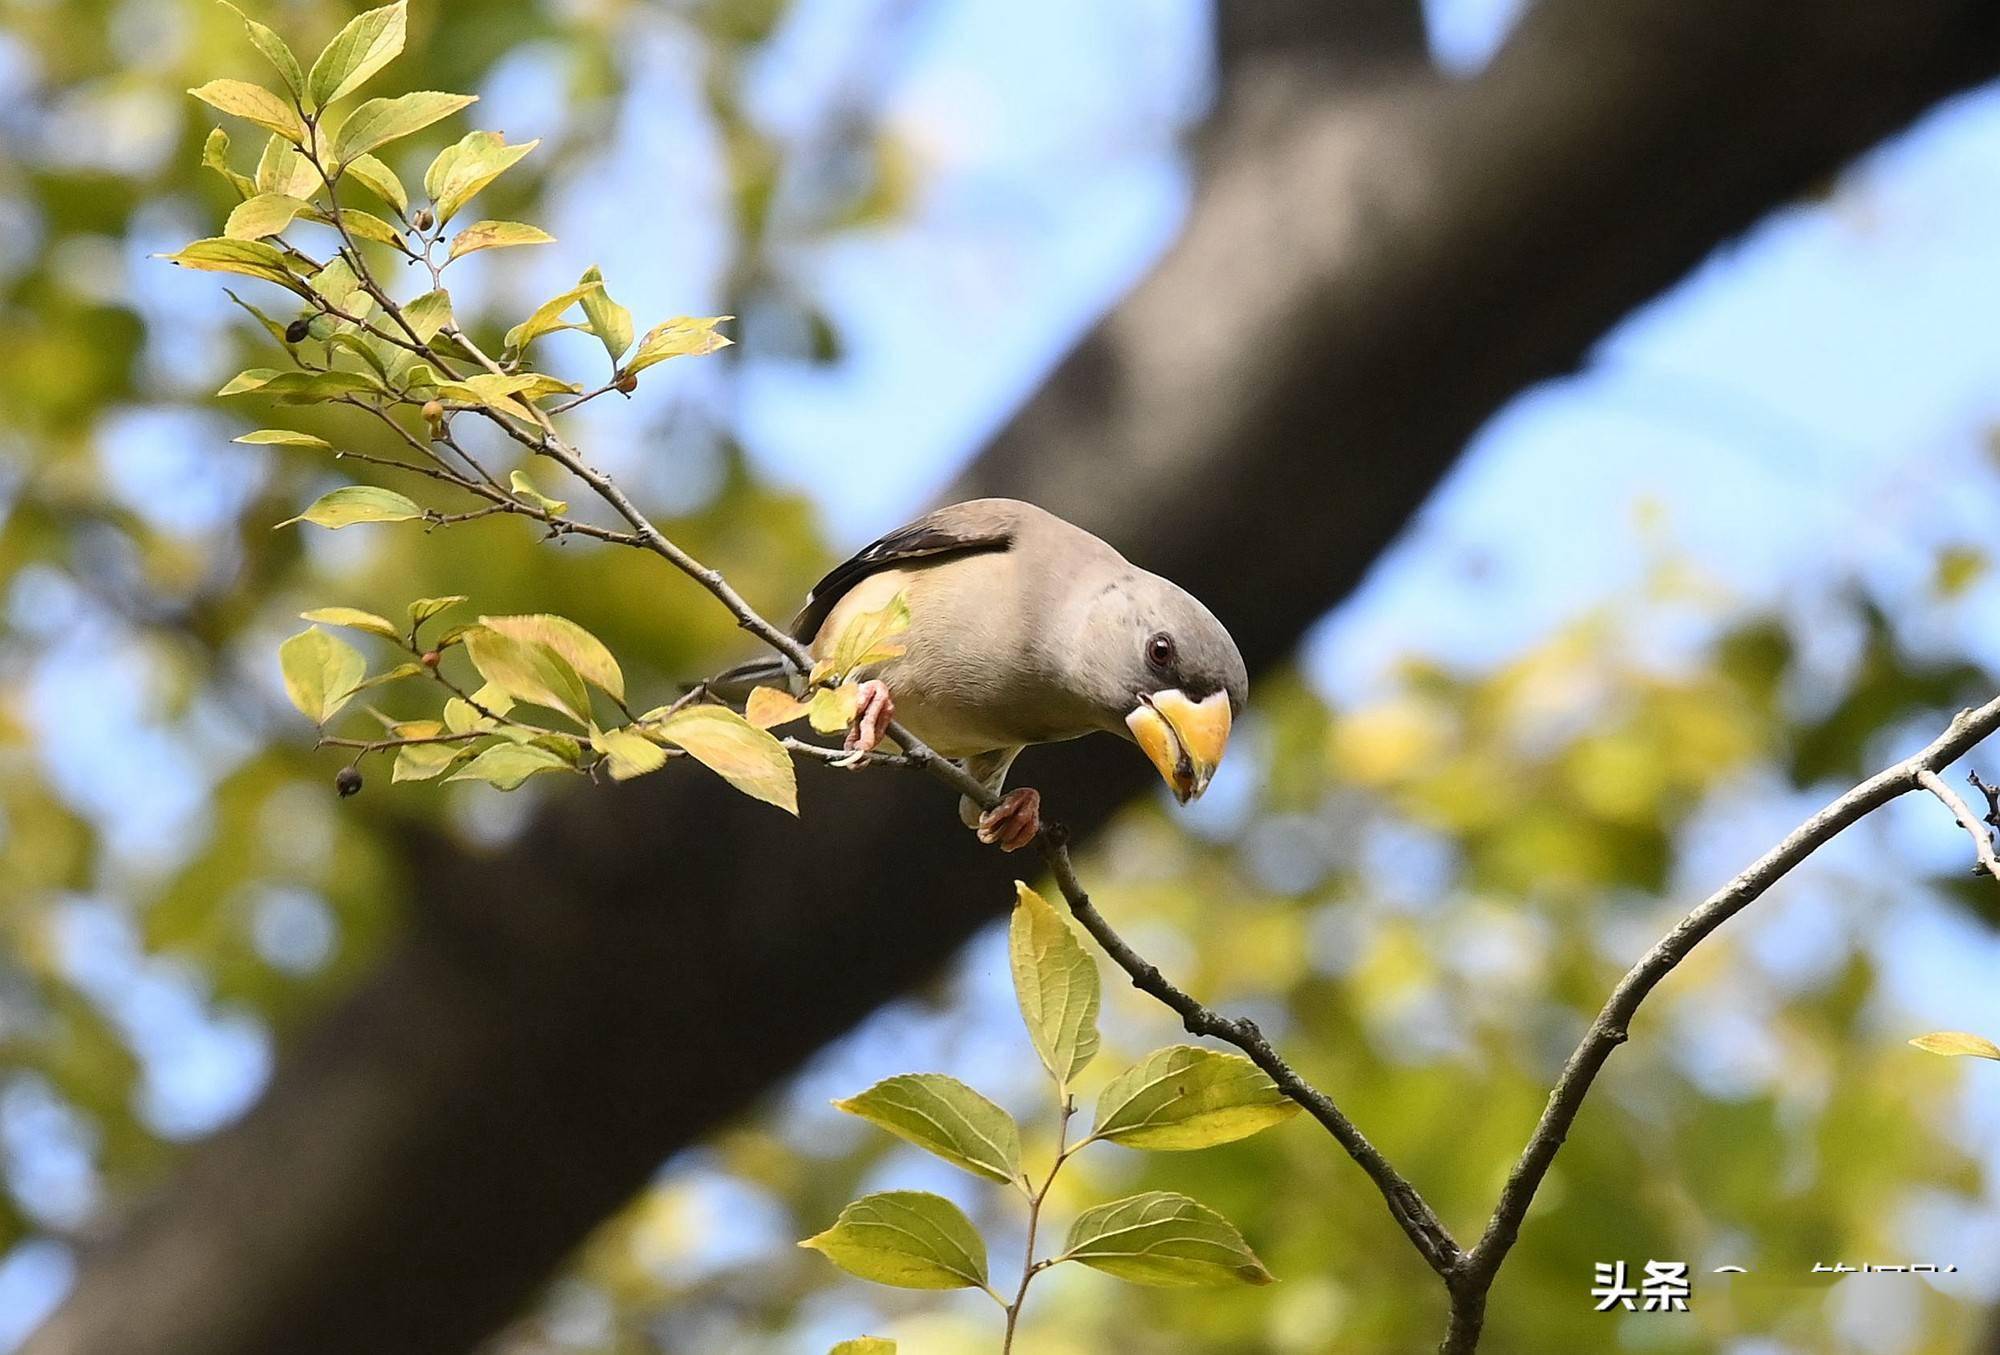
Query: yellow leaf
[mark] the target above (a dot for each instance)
(253, 103)
(320, 672)
(1187, 1097)
(528, 671)
(1953, 1042)
(357, 503)
(354, 617)
(736, 750)
(682, 337)
(944, 1116)
(832, 708)
(907, 1238)
(768, 707)
(579, 648)
(496, 235)
(870, 638)
(629, 754)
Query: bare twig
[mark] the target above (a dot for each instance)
(1982, 837)
(1473, 1278)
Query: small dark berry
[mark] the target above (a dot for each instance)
(347, 781)
(433, 410)
(423, 220)
(297, 330)
(430, 659)
(627, 382)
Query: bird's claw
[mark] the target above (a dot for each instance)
(873, 710)
(1013, 823)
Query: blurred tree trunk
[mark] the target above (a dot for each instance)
(1376, 259)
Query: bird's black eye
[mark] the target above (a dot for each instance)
(1160, 650)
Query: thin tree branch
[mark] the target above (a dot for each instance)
(1473, 1278)
(1982, 839)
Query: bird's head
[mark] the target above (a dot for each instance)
(1176, 679)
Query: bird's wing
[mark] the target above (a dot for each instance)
(961, 529)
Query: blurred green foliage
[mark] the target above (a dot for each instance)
(1422, 900)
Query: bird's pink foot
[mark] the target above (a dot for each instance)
(1013, 822)
(873, 710)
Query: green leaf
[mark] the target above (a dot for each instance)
(1187, 1097)
(271, 327)
(320, 672)
(507, 765)
(527, 670)
(357, 503)
(944, 1116)
(380, 180)
(215, 156)
(265, 214)
(251, 258)
(380, 121)
(737, 751)
(907, 1238)
(463, 169)
(423, 609)
(284, 437)
(524, 489)
(865, 1345)
(249, 379)
(253, 103)
(546, 318)
(685, 336)
(1163, 1239)
(369, 42)
(396, 674)
(354, 618)
(628, 753)
(281, 169)
(496, 235)
(1957, 1042)
(1055, 981)
(337, 284)
(422, 761)
(428, 314)
(608, 320)
(274, 50)
(302, 388)
(581, 650)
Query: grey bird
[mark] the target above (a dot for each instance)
(1024, 629)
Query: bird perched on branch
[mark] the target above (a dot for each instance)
(1023, 629)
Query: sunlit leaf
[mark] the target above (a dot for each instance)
(263, 215)
(423, 609)
(545, 318)
(736, 750)
(320, 672)
(865, 1345)
(1056, 983)
(628, 754)
(396, 674)
(608, 320)
(364, 225)
(581, 650)
(832, 709)
(253, 103)
(428, 314)
(907, 1238)
(355, 618)
(1957, 1042)
(251, 258)
(350, 504)
(528, 670)
(944, 1116)
(380, 180)
(422, 761)
(1163, 1239)
(507, 765)
(275, 51)
(284, 437)
(767, 708)
(1187, 1097)
(281, 169)
(524, 489)
(870, 638)
(215, 156)
(300, 388)
(685, 336)
(496, 235)
(463, 169)
(380, 121)
(369, 42)
(336, 284)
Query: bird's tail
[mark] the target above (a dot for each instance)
(734, 685)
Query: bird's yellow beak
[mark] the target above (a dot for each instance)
(1185, 739)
